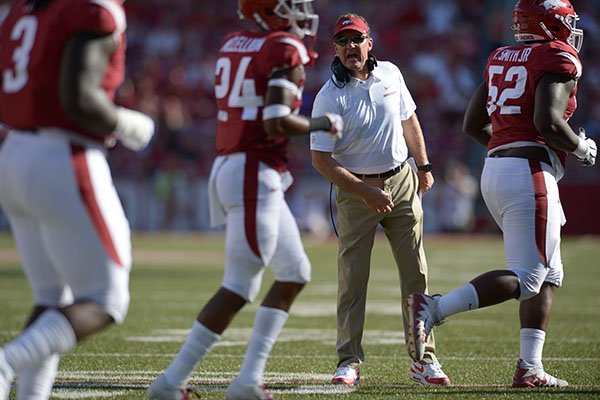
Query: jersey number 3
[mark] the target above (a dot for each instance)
(516, 74)
(16, 78)
(242, 91)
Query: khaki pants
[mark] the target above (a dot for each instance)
(357, 224)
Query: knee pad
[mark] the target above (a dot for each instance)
(245, 282)
(529, 283)
(298, 271)
(113, 297)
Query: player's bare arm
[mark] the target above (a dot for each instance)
(279, 101)
(83, 69)
(477, 122)
(551, 100)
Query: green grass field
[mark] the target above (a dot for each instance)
(174, 275)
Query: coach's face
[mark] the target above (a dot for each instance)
(352, 47)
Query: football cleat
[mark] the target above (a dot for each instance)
(346, 375)
(535, 377)
(238, 391)
(423, 315)
(428, 374)
(160, 389)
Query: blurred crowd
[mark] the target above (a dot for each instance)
(440, 46)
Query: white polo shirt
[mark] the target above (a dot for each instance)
(372, 110)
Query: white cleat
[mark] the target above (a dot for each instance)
(256, 391)
(160, 389)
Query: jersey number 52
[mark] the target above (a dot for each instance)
(498, 99)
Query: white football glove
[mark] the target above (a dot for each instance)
(337, 124)
(586, 150)
(134, 129)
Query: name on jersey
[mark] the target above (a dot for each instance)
(243, 44)
(520, 56)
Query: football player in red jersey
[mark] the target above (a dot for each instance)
(61, 62)
(520, 114)
(259, 81)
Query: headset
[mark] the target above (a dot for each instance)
(341, 74)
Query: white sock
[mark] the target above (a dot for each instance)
(268, 323)
(36, 382)
(532, 345)
(460, 299)
(50, 334)
(198, 344)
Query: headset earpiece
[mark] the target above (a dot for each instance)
(371, 62)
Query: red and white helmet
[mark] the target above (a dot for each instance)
(297, 16)
(546, 20)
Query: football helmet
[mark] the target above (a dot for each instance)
(546, 20)
(297, 16)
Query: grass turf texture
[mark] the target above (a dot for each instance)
(175, 274)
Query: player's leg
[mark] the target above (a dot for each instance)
(49, 291)
(292, 270)
(86, 238)
(25, 162)
(535, 311)
(280, 246)
(498, 190)
(241, 281)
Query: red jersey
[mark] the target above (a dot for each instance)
(512, 74)
(31, 48)
(246, 61)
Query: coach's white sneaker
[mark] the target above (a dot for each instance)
(535, 377)
(423, 315)
(6, 377)
(346, 375)
(255, 391)
(428, 374)
(160, 389)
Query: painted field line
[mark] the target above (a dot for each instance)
(282, 387)
(323, 357)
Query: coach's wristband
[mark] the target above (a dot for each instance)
(425, 167)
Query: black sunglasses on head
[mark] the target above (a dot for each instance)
(343, 40)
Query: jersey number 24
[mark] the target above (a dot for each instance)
(239, 90)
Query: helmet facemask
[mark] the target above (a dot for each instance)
(575, 38)
(303, 21)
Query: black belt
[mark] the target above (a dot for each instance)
(382, 175)
(528, 152)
